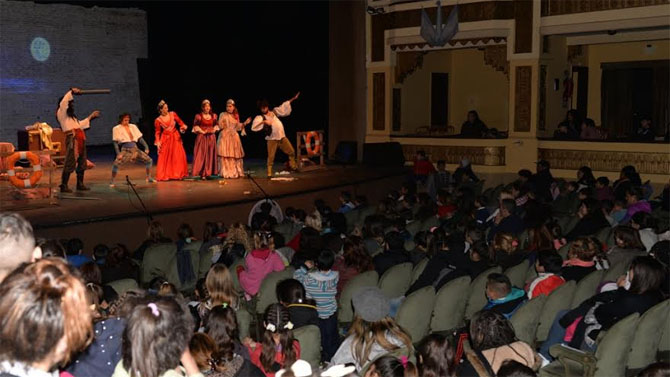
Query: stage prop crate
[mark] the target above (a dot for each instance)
(310, 145)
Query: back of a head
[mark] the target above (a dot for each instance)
(394, 241)
(508, 205)
(499, 283)
(157, 333)
(437, 357)
(513, 368)
(184, 231)
(74, 246)
(325, 260)
(52, 248)
(277, 321)
(42, 304)
(202, 347)
(220, 286)
(659, 369)
(643, 219)
(90, 273)
(550, 260)
(221, 325)
(490, 329)
(391, 366)
(579, 249)
(262, 239)
(332, 242)
(290, 291)
(648, 275)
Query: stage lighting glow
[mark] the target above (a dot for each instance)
(40, 49)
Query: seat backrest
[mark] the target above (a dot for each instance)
(123, 285)
(396, 280)
(616, 270)
(415, 311)
(450, 305)
(587, 287)
(428, 223)
(476, 295)
(160, 261)
(418, 269)
(310, 344)
(414, 227)
(267, 293)
(193, 249)
(559, 299)
(563, 251)
(613, 348)
(345, 312)
(517, 274)
(352, 219)
(205, 261)
(526, 319)
(648, 336)
(603, 234)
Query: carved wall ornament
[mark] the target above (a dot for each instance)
(647, 163)
(522, 98)
(451, 154)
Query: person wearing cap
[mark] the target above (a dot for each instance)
(372, 324)
(464, 173)
(229, 146)
(542, 181)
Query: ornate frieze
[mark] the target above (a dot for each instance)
(453, 154)
(647, 163)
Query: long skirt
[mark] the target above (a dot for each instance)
(171, 158)
(232, 167)
(205, 162)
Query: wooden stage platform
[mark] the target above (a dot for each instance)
(110, 215)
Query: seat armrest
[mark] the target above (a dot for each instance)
(567, 355)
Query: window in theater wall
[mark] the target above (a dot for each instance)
(632, 90)
(439, 100)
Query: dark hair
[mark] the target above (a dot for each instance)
(499, 283)
(74, 246)
(90, 273)
(481, 248)
(51, 248)
(588, 122)
(644, 220)
(277, 315)
(636, 192)
(355, 254)
(157, 333)
(300, 214)
(661, 251)
(117, 254)
(440, 162)
(420, 239)
(325, 260)
(482, 200)
(603, 181)
(593, 207)
(394, 241)
(525, 173)
(587, 192)
(391, 366)
(629, 236)
(489, 329)
(183, 232)
(278, 240)
(261, 103)
(550, 260)
(100, 251)
(508, 204)
(123, 115)
(221, 326)
(291, 291)
(438, 357)
(648, 275)
(346, 195)
(421, 153)
(513, 368)
(211, 229)
(607, 205)
(659, 369)
(474, 112)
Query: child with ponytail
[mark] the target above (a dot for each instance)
(391, 366)
(278, 347)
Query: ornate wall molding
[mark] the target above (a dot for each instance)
(469, 42)
(496, 57)
(557, 7)
(522, 98)
(648, 163)
(407, 63)
(378, 101)
(488, 156)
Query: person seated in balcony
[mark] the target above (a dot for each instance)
(589, 131)
(644, 133)
(473, 128)
(570, 127)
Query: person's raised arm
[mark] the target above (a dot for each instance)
(86, 122)
(61, 113)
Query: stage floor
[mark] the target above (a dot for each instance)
(104, 203)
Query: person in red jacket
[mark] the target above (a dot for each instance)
(548, 266)
(422, 167)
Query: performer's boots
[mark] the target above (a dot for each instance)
(269, 171)
(64, 179)
(80, 183)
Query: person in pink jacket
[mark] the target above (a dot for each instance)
(259, 263)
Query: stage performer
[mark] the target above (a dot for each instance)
(125, 137)
(204, 152)
(171, 156)
(229, 145)
(274, 129)
(75, 139)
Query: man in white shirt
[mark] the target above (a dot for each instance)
(75, 139)
(274, 129)
(125, 137)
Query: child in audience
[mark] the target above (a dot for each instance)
(580, 260)
(557, 235)
(481, 211)
(600, 251)
(278, 348)
(513, 368)
(321, 286)
(422, 167)
(618, 211)
(437, 357)
(603, 189)
(221, 326)
(215, 361)
(548, 266)
(627, 245)
(506, 251)
(291, 294)
(373, 332)
(155, 340)
(347, 204)
(502, 297)
(260, 262)
(391, 366)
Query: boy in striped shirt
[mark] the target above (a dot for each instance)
(321, 285)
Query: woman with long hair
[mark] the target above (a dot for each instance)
(373, 332)
(585, 177)
(45, 318)
(172, 162)
(221, 325)
(229, 146)
(205, 163)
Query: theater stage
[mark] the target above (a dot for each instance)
(109, 215)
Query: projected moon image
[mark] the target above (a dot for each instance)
(40, 49)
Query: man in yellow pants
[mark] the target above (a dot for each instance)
(269, 122)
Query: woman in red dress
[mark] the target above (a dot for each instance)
(171, 155)
(205, 162)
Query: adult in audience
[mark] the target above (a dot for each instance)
(394, 253)
(502, 297)
(628, 177)
(589, 131)
(17, 243)
(591, 220)
(570, 127)
(464, 173)
(155, 235)
(45, 318)
(645, 225)
(473, 127)
(506, 221)
(627, 245)
(373, 332)
(585, 177)
(644, 133)
(580, 262)
(493, 341)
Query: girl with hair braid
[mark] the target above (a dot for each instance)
(278, 348)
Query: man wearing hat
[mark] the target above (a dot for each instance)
(542, 181)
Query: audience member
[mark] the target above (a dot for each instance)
(277, 348)
(589, 131)
(464, 173)
(580, 262)
(473, 127)
(391, 366)
(548, 267)
(603, 189)
(570, 128)
(644, 133)
(219, 361)
(17, 243)
(302, 311)
(423, 168)
(155, 235)
(627, 245)
(437, 357)
(393, 254)
(74, 250)
(353, 261)
(259, 263)
(502, 297)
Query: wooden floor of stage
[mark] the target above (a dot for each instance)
(104, 203)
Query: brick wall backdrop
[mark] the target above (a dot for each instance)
(89, 48)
